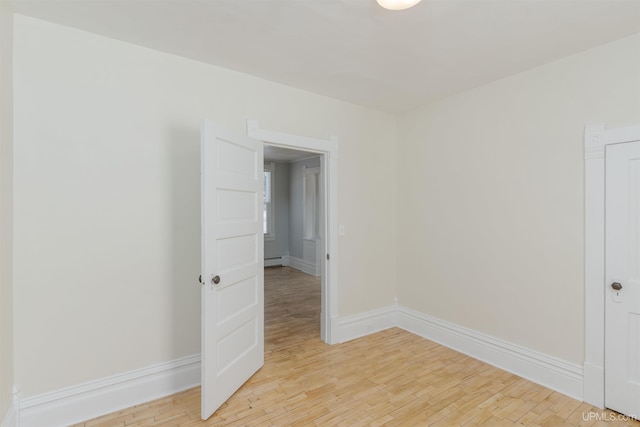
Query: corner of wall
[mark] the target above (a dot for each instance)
(7, 409)
(11, 418)
(548, 371)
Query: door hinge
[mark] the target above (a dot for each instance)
(327, 257)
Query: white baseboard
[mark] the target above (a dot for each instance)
(93, 399)
(359, 325)
(85, 401)
(304, 266)
(551, 372)
(11, 417)
(593, 384)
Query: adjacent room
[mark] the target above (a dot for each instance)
(450, 228)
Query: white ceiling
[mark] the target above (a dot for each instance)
(352, 49)
(285, 155)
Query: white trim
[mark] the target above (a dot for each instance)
(552, 372)
(549, 371)
(285, 140)
(361, 324)
(271, 224)
(596, 138)
(593, 391)
(621, 135)
(12, 417)
(304, 266)
(594, 142)
(95, 398)
(328, 148)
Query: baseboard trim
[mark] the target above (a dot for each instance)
(304, 266)
(11, 417)
(359, 325)
(95, 398)
(551, 372)
(593, 384)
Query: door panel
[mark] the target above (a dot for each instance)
(235, 206)
(232, 251)
(622, 306)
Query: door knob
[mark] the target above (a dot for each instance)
(617, 286)
(216, 280)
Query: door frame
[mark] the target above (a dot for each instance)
(596, 138)
(328, 149)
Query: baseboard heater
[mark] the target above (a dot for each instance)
(281, 261)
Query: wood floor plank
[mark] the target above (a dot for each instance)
(390, 378)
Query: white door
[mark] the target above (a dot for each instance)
(622, 307)
(232, 189)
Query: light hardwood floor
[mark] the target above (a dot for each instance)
(389, 378)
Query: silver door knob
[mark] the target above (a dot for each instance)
(617, 286)
(216, 280)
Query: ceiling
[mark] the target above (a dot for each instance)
(354, 50)
(285, 155)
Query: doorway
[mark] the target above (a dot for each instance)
(293, 242)
(622, 272)
(601, 280)
(326, 250)
(232, 273)
(291, 209)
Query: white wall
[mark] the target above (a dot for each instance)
(107, 198)
(279, 246)
(6, 209)
(485, 195)
(296, 204)
(491, 194)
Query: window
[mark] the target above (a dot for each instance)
(267, 215)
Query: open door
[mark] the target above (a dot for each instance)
(622, 307)
(232, 263)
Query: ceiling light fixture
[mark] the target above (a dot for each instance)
(397, 4)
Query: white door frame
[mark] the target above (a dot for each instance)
(329, 171)
(596, 138)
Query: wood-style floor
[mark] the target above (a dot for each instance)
(389, 378)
